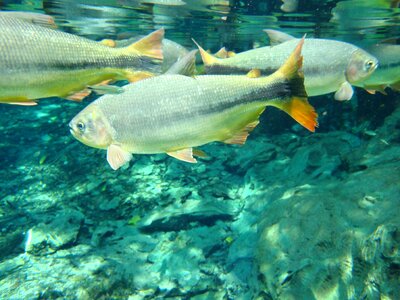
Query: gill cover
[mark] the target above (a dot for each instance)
(92, 128)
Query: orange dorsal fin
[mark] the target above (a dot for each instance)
(150, 45)
(184, 155)
(208, 59)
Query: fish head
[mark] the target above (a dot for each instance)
(92, 128)
(361, 66)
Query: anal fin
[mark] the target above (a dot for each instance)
(184, 155)
(240, 137)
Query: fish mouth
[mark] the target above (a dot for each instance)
(71, 129)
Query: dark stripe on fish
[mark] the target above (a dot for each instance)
(232, 70)
(273, 91)
(121, 62)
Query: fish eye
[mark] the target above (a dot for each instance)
(80, 126)
(369, 64)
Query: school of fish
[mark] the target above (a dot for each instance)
(167, 105)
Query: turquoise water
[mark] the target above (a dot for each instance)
(289, 215)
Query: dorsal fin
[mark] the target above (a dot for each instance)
(208, 59)
(150, 45)
(186, 65)
(222, 53)
(277, 37)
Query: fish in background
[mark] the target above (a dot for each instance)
(356, 19)
(38, 62)
(388, 72)
(329, 65)
(289, 5)
(31, 17)
(173, 113)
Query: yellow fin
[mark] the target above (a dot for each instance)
(373, 88)
(136, 76)
(109, 43)
(117, 157)
(254, 73)
(207, 58)
(296, 105)
(150, 45)
(231, 54)
(222, 53)
(240, 137)
(79, 96)
(300, 110)
(184, 155)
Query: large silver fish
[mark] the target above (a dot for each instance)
(38, 62)
(329, 66)
(174, 113)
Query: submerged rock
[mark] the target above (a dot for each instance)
(187, 215)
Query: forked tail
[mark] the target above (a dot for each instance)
(294, 98)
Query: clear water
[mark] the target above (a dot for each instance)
(289, 215)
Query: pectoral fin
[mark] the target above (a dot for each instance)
(117, 157)
(184, 155)
(345, 92)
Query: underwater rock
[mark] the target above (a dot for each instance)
(183, 216)
(62, 232)
(327, 241)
